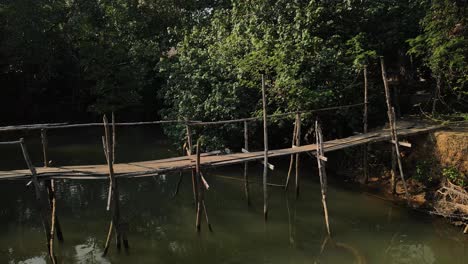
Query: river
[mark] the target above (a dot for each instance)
(365, 229)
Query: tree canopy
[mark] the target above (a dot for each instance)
(156, 59)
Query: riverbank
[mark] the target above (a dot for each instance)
(435, 169)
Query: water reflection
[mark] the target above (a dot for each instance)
(89, 252)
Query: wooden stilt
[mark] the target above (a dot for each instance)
(365, 147)
(392, 122)
(298, 143)
(115, 223)
(265, 155)
(246, 164)
(200, 190)
(291, 162)
(322, 173)
(201, 184)
(397, 153)
(44, 146)
(114, 143)
(40, 199)
(190, 147)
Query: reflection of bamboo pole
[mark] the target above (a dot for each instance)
(358, 256)
(322, 172)
(52, 229)
(265, 153)
(290, 224)
(109, 237)
(181, 175)
(52, 202)
(246, 164)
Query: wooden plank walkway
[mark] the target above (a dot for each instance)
(155, 167)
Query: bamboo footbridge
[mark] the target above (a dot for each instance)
(209, 159)
(42, 178)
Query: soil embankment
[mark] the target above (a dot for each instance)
(436, 169)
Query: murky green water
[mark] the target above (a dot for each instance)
(162, 230)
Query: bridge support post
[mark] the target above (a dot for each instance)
(113, 202)
(291, 163)
(41, 203)
(392, 123)
(246, 164)
(201, 185)
(322, 172)
(189, 152)
(364, 121)
(298, 143)
(265, 153)
(44, 146)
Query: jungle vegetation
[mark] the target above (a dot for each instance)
(71, 60)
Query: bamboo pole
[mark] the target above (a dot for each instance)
(192, 122)
(265, 155)
(365, 147)
(392, 123)
(115, 222)
(44, 146)
(113, 138)
(201, 184)
(246, 164)
(298, 143)
(322, 173)
(397, 153)
(190, 147)
(44, 210)
(200, 190)
(291, 162)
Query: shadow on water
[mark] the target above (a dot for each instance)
(162, 227)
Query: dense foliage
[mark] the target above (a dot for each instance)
(72, 57)
(443, 48)
(203, 60)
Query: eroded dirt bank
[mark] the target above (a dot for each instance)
(435, 168)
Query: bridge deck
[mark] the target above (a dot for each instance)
(154, 167)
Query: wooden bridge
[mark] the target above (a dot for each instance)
(43, 178)
(210, 159)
